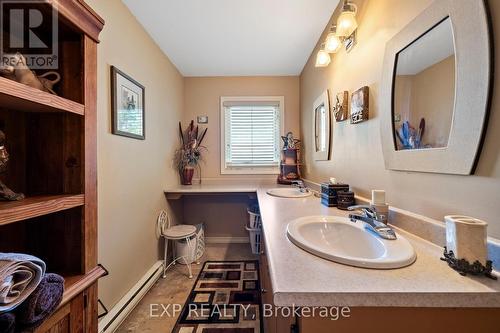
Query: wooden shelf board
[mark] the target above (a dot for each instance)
(18, 96)
(75, 284)
(14, 211)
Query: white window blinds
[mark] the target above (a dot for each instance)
(252, 134)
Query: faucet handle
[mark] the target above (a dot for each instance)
(364, 208)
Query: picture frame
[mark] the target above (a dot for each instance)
(360, 105)
(127, 106)
(340, 108)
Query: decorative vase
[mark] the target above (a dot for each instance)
(187, 175)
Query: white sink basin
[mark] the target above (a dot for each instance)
(287, 192)
(340, 240)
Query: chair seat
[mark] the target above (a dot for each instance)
(180, 231)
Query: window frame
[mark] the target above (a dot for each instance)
(247, 170)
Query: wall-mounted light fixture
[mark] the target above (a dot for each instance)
(346, 23)
(323, 57)
(344, 33)
(333, 44)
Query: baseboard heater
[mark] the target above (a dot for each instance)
(110, 322)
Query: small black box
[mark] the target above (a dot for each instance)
(329, 193)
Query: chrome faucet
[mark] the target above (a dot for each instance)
(373, 220)
(300, 185)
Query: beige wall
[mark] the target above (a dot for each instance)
(433, 96)
(225, 216)
(132, 174)
(357, 154)
(202, 97)
(430, 95)
(222, 215)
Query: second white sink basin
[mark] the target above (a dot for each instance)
(288, 192)
(340, 240)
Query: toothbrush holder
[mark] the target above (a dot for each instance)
(467, 238)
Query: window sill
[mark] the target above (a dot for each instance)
(250, 171)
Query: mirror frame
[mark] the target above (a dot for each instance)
(473, 82)
(322, 155)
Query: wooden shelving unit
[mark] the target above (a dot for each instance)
(73, 285)
(53, 161)
(28, 208)
(22, 97)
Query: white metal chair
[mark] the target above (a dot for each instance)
(175, 233)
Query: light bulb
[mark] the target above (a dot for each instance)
(322, 58)
(346, 23)
(332, 43)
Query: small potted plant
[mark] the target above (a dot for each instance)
(188, 156)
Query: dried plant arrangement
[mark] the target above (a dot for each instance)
(189, 155)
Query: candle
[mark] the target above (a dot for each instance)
(378, 197)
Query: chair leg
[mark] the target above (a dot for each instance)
(174, 254)
(189, 258)
(165, 258)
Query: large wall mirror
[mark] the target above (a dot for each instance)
(321, 127)
(435, 89)
(424, 90)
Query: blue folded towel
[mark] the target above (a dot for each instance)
(41, 303)
(7, 322)
(20, 274)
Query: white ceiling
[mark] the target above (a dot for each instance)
(235, 37)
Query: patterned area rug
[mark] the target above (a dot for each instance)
(225, 299)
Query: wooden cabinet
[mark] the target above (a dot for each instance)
(52, 142)
(408, 320)
(274, 323)
(380, 319)
(69, 318)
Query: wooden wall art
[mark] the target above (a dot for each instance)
(359, 105)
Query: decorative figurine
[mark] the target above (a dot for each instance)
(5, 192)
(289, 142)
(289, 164)
(19, 71)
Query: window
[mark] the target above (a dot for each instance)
(251, 129)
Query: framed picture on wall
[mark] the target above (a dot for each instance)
(359, 105)
(341, 106)
(127, 106)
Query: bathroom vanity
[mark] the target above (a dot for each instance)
(426, 294)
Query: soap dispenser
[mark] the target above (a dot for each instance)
(379, 205)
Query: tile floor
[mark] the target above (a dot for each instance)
(175, 290)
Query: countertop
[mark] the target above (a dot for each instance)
(302, 279)
(212, 188)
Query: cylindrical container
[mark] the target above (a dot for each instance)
(187, 253)
(200, 241)
(466, 237)
(345, 200)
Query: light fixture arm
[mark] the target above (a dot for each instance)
(349, 7)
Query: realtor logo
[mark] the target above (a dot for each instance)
(30, 28)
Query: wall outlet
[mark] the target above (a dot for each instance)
(202, 119)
